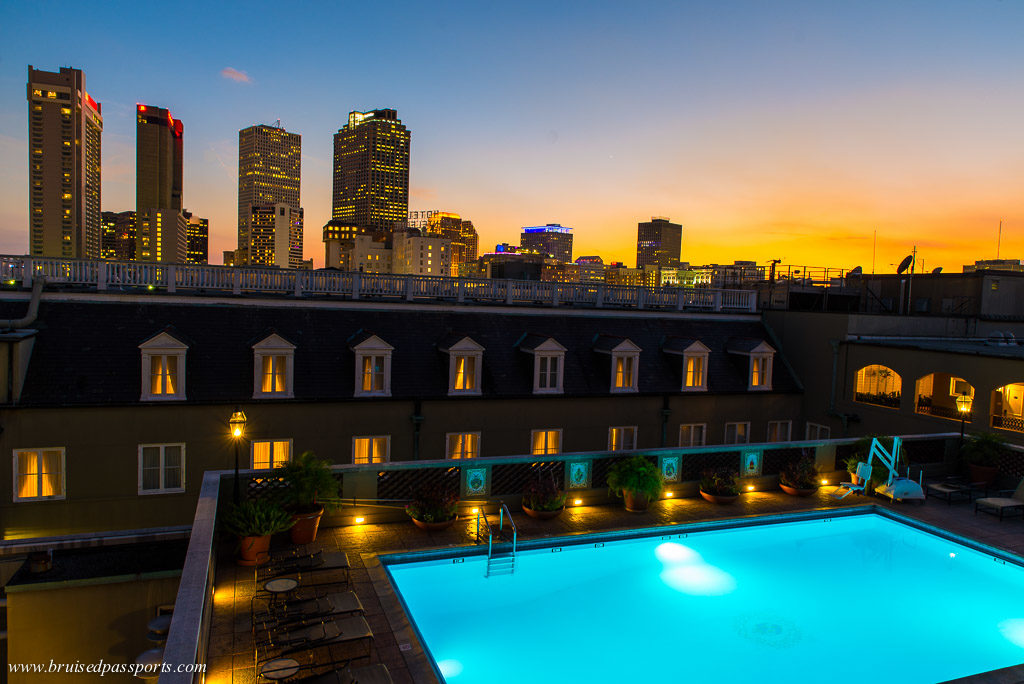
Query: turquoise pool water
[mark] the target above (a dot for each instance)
(858, 598)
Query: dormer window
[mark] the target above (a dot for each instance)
(373, 367)
(548, 363)
(163, 368)
(625, 362)
(695, 363)
(465, 361)
(761, 356)
(273, 368)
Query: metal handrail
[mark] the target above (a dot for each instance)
(490, 533)
(501, 525)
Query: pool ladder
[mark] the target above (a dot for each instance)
(498, 562)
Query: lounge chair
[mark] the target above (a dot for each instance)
(316, 562)
(335, 604)
(1000, 505)
(306, 636)
(863, 474)
(369, 674)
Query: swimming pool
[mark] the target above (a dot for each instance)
(835, 599)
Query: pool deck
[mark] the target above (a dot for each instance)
(230, 658)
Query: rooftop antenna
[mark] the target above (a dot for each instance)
(999, 240)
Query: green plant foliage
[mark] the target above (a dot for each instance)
(802, 474)
(851, 464)
(983, 449)
(719, 483)
(542, 493)
(257, 519)
(636, 474)
(310, 482)
(433, 503)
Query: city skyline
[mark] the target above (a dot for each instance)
(786, 131)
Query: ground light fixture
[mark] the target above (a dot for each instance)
(963, 405)
(360, 521)
(236, 428)
(577, 502)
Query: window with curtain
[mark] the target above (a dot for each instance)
(779, 430)
(546, 442)
(40, 474)
(695, 372)
(370, 449)
(621, 438)
(275, 379)
(465, 373)
(624, 372)
(270, 453)
(373, 374)
(693, 434)
(163, 375)
(737, 433)
(161, 468)
(463, 445)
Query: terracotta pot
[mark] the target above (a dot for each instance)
(980, 473)
(717, 499)
(305, 527)
(543, 515)
(794, 491)
(854, 479)
(636, 502)
(254, 550)
(434, 526)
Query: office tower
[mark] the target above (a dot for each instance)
(269, 173)
(371, 171)
(552, 239)
(658, 243)
(461, 234)
(197, 233)
(124, 234)
(64, 130)
(591, 269)
(108, 235)
(161, 233)
(274, 237)
(417, 254)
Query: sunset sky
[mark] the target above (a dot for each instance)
(769, 130)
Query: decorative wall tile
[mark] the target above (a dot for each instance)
(476, 481)
(751, 466)
(670, 468)
(577, 474)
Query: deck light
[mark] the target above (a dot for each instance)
(577, 502)
(824, 482)
(360, 521)
(668, 495)
(750, 488)
(475, 511)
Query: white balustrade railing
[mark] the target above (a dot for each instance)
(182, 278)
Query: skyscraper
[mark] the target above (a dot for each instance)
(197, 232)
(461, 234)
(658, 243)
(161, 233)
(371, 171)
(64, 131)
(554, 239)
(269, 174)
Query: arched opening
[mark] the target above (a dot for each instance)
(878, 385)
(936, 395)
(1008, 407)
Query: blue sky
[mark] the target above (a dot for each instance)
(769, 129)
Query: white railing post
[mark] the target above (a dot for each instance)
(752, 302)
(641, 297)
(555, 289)
(171, 274)
(297, 289)
(508, 291)
(236, 282)
(356, 284)
(679, 299)
(408, 288)
(599, 301)
(716, 300)
(460, 287)
(26, 273)
(101, 276)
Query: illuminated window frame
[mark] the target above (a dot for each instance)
(374, 440)
(275, 462)
(19, 455)
(270, 346)
(696, 354)
(369, 348)
(543, 355)
(547, 432)
(452, 438)
(465, 348)
(736, 433)
(163, 346)
(617, 438)
(162, 489)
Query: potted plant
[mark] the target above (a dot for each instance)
(981, 453)
(542, 498)
(851, 469)
(637, 480)
(719, 486)
(434, 507)
(253, 522)
(310, 482)
(799, 478)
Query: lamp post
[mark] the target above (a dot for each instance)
(237, 429)
(963, 405)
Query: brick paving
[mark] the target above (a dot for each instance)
(231, 657)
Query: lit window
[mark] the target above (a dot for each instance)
(622, 438)
(693, 434)
(374, 449)
(273, 365)
(463, 445)
(548, 366)
(545, 442)
(760, 355)
(695, 367)
(737, 433)
(779, 430)
(270, 453)
(373, 367)
(624, 373)
(39, 474)
(163, 368)
(465, 361)
(161, 468)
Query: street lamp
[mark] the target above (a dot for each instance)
(237, 429)
(963, 405)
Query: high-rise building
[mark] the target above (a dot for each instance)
(274, 237)
(461, 234)
(108, 235)
(197, 232)
(269, 173)
(417, 254)
(658, 243)
(64, 131)
(591, 269)
(371, 171)
(161, 233)
(553, 239)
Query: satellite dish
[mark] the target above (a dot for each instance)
(905, 264)
(856, 271)
(937, 269)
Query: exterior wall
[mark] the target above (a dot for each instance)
(83, 623)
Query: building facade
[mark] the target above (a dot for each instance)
(658, 243)
(274, 237)
(198, 236)
(416, 254)
(371, 171)
(269, 173)
(64, 140)
(461, 235)
(161, 228)
(553, 239)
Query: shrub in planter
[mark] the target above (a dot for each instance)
(310, 483)
(433, 507)
(542, 498)
(799, 478)
(253, 522)
(719, 486)
(981, 454)
(637, 481)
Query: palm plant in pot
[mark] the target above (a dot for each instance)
(799, 478)
(253, 522)
(851, 469)
(542, 497)
(981, 453)
(637, 480)
(434, 507)
(310, 485)
(719, 486)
